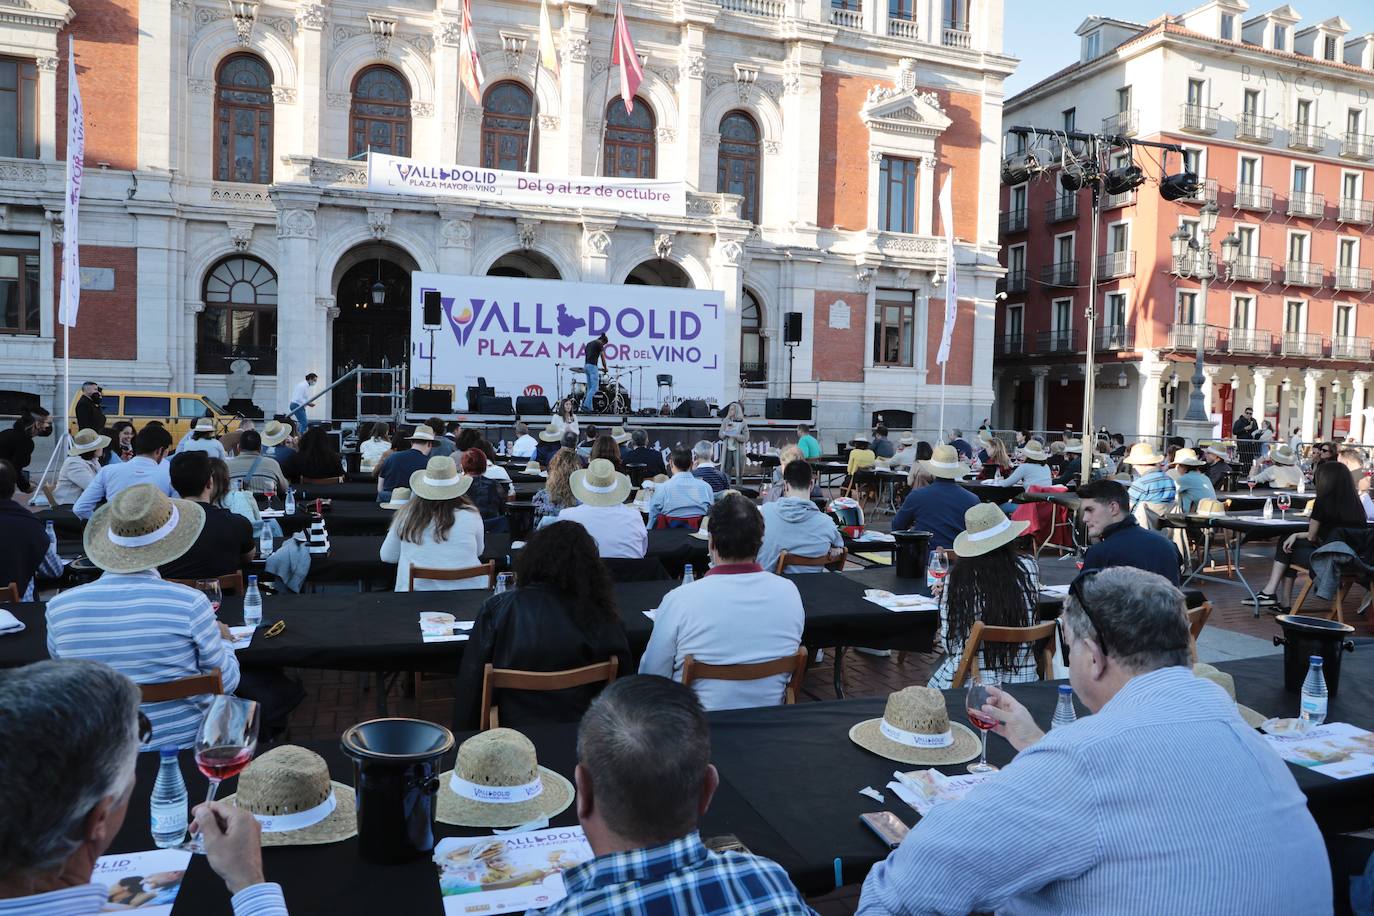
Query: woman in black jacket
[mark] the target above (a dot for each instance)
(560, 615)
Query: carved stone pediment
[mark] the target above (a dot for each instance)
(904, 111)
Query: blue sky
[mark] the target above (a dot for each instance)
(1042, 35)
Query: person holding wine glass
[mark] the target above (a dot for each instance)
(1162, 801)
(225, 742)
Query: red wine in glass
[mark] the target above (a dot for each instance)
(978, 696)
(225, 743)
(979, 720)
(221, 763)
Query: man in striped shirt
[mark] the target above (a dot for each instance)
(1163, 801)
(147, 628)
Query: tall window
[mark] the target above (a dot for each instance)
(1280, 38)
(1295, 316)
(753, 358)
(1017, 206)
(1243, 313)
(1015, 324)
(737, 167)
(1118, 238)
(1304, 112)
(1061, 324)
(1297, 247)
(1123, 100)
(1350, 186)
(897, 194)
(956, 14)
(1116, 310)
(1329, 47)
(901, 9)
(243, 120)
(1197, 92)
(1345, 320)
(1300, 175)
(18, 108)
(1246, 236)
(1063, 249)
(1185, 312)
(506, 113)
(1192, 161)
(1345, 253)
(894, 327)
(1228, 27)
(1249, 171)
(1070, 119)
(380, 119)
(1250, 103)
(1016, 265)
(240, 317)
(629, 141)
(19, 302)
(1354, 120)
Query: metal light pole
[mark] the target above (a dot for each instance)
(1197, 419)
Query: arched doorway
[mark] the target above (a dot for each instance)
(529, 264)
(373, 327)
(659, 273)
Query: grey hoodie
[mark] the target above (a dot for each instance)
(797, 526)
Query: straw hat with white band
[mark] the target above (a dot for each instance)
(944, 462)
(915, 728)
(619, 435)
(1188, 458)
(204, 425)
(906, 440)
(1283, 455)
(141, 528)
(551, 433)
(985, 436)
(439, 479)
(275, 433)
(986, 527)
(1226, 682)
(1217, 453)
(704, 532)
(86, 441)
(289, 792)
(497, 782)
(1143, 454)
(858, 439)
(399, 498)
(1033, 451)
(422, 434)
(600, 484)
(1073, 446)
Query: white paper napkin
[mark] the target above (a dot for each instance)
(9, 623)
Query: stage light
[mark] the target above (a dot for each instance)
(1078, 175)
(1178, 187)
(1123, 179)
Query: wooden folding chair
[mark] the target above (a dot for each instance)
(1197, 619)
(794, 666)
(10, 592)
(339, 479)
(494, 679)
(982, 633)
(50, 492)
(487, 569)
(229, 583)
(1348, 581)
(183, 688)
(834, 564)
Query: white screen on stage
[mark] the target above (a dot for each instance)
(523, 336)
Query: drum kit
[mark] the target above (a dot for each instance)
(613, 391)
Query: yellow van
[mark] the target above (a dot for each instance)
(176, 410)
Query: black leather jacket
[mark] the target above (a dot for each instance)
(532, 629)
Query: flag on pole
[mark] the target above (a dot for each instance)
(469, 63)
(623, 55)
(951, 273)
(548, 55)
(76, 154)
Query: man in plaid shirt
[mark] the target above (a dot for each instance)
(644, 777)
(1154, 487)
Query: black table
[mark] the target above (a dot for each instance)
(1244, 500)
(988, 492)
(361, 491)
(357, 558)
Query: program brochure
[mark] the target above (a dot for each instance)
(1335, 749)
(145, 881)
(507, 873)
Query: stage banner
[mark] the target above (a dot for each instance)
(394, 175)
(525, 337)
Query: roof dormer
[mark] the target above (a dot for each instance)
(1100, 34)
(1323, 41)
(1273, 30)
(1217, 18)
(1359, 51)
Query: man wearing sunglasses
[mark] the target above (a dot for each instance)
(1162, 801)
(69, 737)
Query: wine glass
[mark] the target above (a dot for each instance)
(1284, 502)
(978, 695)
(212, 591)
(225, 743)
(937, 568)
(270, 492)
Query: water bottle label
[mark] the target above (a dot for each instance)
(169, 822)
(1314, 706)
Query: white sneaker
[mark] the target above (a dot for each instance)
(876, 653)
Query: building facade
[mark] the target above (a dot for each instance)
(225, 212)
(1273, 115)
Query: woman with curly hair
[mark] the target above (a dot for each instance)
(561, 614)
(557, 494)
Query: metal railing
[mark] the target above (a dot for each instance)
(1059, 209)
(903, 28)
(1186, 336)
(1011, 344)
(1060, 273)
(1354, 210)
(1254, 197)
(1252, 269)
(1206, 192)
(1297, 343)
(1116, 264)
(956, 36)
(1355, 279)
(1112, 201)
(1307, 204)
(1192, 264)
(1355, 145)
(1306, 136)
(1200, 119)
(1123, 123)
(1013, 221)
(1249, 340)
(1015, 281)
(1116, 337)
(847, 19)
(1302, 273)
(1350, 348)
(1257, 128)
(1061, 341)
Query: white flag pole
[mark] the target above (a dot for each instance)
(951, 291)
(71, 257)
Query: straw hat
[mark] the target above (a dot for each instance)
(703, 533)
(1218, 452)
(141, 528)
(1188, 458)
(204, 425)
(1226, 682)
(1074, 446)
(88, 440)
(619, 435)
(944, 462)
(399, 498)
(857, 439)
(497, 782)
(532, 467)
(985, 436)
(439, 479)
(422, 434)
(906, 440)
(986, 527)
(600, 484)
(289, 791)
(1283, 455)
(1143, 454)
(275, 433)
(915, 728)
(551, 433)
(1033, 451)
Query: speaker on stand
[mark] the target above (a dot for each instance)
(434, 319)
(791, 338)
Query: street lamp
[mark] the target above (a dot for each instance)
(1186, 249)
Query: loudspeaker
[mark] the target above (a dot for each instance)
(434, 309)
(695, 410)
(532, 404)
(787, 408)
(430, 400)
(494, 405)
(791, 327)
(475, 395)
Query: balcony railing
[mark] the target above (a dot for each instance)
(1116, 264)
(1305, 136)
(1356, 279)
(1296, 343)
(1249, 340)
(847, 19)
(1061, 341)
(1187, 336)
(903, 28)
(1112, 201)
(1306, 204)
(1200, 119)
(1123, 123)
(1060, 273)
(1356, 211)
(1254, 197)
(1015, 281)
(1350, 348)
(1355, 145)
(1011, 345)
(1193, 264)
(1252, 269)
(1255, 127)
(957, 35)
(1064, 207)
(1206, 192)
(1116, 337)
(764, 9)
(1014, 221)
(1302, 273)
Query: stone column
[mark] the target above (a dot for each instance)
(1260, 375)
(300, 318)
(1209, 387)
(729, 260)
(47, 101)
(1038, 375)
(690, 93)
(448, 90)
(577, 108)
(925, 194)
(1358, 381)
(455, 240)
(801, 103)
(1151, 374)
(310, 93)
(1310, 380)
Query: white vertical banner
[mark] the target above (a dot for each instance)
(951, 273)
(76, 155)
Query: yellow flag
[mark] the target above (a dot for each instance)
(548, 56)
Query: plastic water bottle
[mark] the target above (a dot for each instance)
(1268, 508)
(1064, 713)
(1302, 482)
(290, 501)
(52, 533)
(1313, 710)
(265, 541)
(169, 802)
(688, 575)
(252, 603)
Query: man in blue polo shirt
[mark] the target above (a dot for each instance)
(938, 508)
(397, 468)
(1106, 508)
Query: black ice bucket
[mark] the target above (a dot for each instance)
(1304, 637)
(913, 550)
(396, 766)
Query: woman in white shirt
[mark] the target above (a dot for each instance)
(370, 452)
(438, 528)
(80, 466)
(1031, 472)
(203, 439)
(566, 421)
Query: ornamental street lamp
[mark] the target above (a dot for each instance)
(1196, 258)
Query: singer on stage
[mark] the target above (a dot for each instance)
(595, 353)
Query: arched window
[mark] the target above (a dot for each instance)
(240, 317)
(243, 120)
(380, 119)
(737, 168)
(753, 357)
(629, 141)
(506, 113)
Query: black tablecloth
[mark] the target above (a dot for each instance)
(345, 492)
(1245, 500)
(992, 492)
